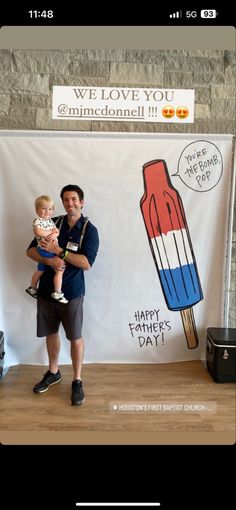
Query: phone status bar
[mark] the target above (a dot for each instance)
(95, 17)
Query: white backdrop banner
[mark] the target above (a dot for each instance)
(160, 203)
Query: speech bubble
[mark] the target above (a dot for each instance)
(200, 166)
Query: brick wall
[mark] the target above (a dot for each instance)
(27, 78)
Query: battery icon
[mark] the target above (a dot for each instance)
(208, 13)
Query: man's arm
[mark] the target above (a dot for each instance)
(75, 259)
(55, 262)
(78, 260)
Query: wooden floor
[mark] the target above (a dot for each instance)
(130, 399)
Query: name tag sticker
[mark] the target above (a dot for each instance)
(72, 246)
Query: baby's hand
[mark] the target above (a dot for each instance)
(52, 237)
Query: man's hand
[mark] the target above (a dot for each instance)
(55, 262)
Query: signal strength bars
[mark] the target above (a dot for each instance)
(177, 14)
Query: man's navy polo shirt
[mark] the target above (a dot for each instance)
(73, 284)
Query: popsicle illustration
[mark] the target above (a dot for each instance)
(171, 246)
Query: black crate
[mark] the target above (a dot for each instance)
(2, 352)
(221, 354)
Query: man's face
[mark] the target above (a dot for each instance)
(72, 203)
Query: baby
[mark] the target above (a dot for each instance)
(44, 227)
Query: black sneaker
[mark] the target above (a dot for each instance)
(48, 380)
(77, 395)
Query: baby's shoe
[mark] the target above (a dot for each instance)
(31, 291)
(59, 296)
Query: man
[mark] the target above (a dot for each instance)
(73, 259)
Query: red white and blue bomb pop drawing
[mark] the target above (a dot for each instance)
(171, 245)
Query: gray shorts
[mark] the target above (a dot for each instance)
(50, 315)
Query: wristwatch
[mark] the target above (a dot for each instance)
(63, 254)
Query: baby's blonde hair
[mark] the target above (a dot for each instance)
(43, 198)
